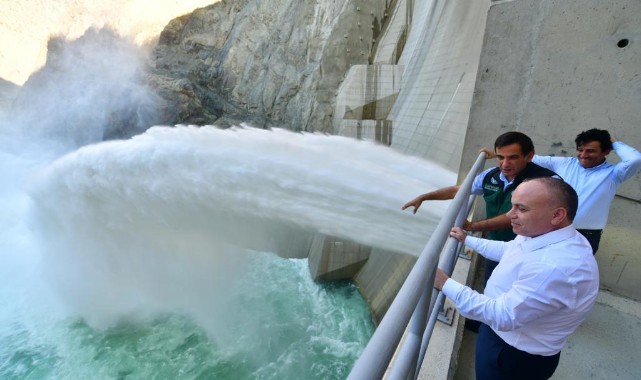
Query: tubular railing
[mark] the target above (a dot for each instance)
(416, 300)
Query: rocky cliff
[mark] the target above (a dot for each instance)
(272, 63)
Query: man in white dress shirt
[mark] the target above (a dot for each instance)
(544, 286)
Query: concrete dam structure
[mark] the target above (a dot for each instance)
(448, 77)
(437, 80)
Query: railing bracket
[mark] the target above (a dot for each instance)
(446, 315)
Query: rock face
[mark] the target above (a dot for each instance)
(272, 63)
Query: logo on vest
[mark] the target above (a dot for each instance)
(489, 187)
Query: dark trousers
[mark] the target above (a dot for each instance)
(497, 360)
(594, 238)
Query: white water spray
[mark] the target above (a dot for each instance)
(158, 222)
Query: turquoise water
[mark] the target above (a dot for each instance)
(305, 330)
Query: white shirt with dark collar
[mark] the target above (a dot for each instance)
(540, 292)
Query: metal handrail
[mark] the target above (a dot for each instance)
(409, 359)
(412, 299)
(449, 256)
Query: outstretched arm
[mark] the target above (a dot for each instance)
(436, 195)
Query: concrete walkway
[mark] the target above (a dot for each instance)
(605, 346)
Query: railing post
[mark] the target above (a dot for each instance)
(447, 263)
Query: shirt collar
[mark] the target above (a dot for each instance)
(529, 244)
(506, 182)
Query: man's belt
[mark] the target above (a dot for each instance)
(590, 232)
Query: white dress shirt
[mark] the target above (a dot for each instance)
(540, 292)
(595, 186)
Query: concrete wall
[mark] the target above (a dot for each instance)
(547, 68)
(381, 278)
(440, 59)
(552, 69)
(332, 258)
(420, 86)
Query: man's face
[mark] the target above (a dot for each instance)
(511, 160)
(532, 211)
(590, 154)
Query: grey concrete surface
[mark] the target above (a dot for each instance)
(604, 347)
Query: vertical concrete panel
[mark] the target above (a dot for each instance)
(618, 257)
(387, 48)
(431, 114)
(438, 65)
(368, 93)
(332, 258)
(380, 279)
(552, 69)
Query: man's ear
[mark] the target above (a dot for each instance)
(559, 215)
(529, 156)
(606, 152)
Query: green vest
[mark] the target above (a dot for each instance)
(499, 200)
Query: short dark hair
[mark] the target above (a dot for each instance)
(561, 192)
(600, 135)
(509, 138)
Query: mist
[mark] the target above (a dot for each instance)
(27, 25)
(91, 89)
(162, 221)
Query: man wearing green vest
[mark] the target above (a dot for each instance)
(514, 151)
